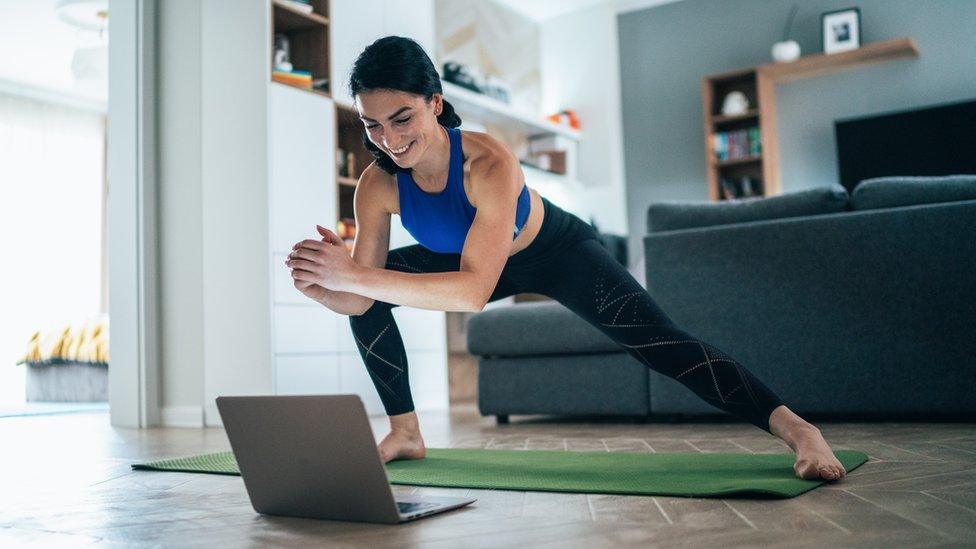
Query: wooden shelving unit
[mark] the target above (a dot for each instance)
(308, 36)
(759, 86)
(289, 19)
(349, 145)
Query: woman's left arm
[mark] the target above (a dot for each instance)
(483, 257)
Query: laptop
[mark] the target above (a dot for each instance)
(315, 457)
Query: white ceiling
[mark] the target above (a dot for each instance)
(36, 49)
(541, 10)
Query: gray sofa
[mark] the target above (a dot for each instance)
(854, 306)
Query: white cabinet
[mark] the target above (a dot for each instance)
(301, 145)
(306, 329)
(307, 375)
(302, 165)
(421, 330)
(355, 380)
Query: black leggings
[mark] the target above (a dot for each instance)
(567, 263)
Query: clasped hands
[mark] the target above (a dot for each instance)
(325, 262)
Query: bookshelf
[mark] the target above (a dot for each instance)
(352, 158)
(758, 84)
(309, 39)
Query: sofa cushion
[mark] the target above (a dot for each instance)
(669, 216)
(540, 328)
(892, 192)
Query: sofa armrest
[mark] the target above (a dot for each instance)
(886, 296)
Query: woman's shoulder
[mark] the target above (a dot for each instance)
(482, 151)
(377, 186)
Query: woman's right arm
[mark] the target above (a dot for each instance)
(372, 237)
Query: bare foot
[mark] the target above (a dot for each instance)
(402, 445)
(814, 458)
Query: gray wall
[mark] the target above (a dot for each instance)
(664, 52)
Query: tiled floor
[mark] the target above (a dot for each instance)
(66, 481)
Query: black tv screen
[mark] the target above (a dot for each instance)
(938, 140)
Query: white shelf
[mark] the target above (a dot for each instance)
(536, 174)
(487, 110)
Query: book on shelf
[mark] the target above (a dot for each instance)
(301, 79)
(297, 5)
(736, 144)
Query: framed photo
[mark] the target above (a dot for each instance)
(840, 30)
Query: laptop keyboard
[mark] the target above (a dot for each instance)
(408, 507)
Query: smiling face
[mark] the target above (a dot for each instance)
(401, 124)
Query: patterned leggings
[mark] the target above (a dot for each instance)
(567, 263)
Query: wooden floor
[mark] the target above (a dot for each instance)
(65, 480)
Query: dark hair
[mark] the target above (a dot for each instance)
(397, 63)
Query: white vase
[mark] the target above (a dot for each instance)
(784, 52)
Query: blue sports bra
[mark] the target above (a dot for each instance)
(440, 221)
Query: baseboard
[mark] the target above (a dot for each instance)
(181, 416)
(211, 415)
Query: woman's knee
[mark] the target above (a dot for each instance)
(376, 308)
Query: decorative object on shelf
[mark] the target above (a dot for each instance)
(342, 167)
(346, 230)
(787, 50)
(496, 89)
(840, 30)
(282, 47)
(550, 161)
(750, 186)
(744, 187)
(735, 103)
(558, 151)
(471, 78)
(321, 84)
(730, 191)
(566, 118)
(466, 77)
(303, 6)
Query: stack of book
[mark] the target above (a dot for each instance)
(300, 79)
(736, 144)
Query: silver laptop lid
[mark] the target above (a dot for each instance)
(308, 456)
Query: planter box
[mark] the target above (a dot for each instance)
(67, 382)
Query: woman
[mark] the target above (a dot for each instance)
(484, 235)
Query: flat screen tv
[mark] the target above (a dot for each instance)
(937, 140)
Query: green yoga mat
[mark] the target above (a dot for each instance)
(665, 474)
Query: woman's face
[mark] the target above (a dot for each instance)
(401, 124)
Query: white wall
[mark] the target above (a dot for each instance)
(215, 279)
(580, 71)
(181, 212)
(363, 22)
(234, 170)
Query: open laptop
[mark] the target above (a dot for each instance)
(314, 456)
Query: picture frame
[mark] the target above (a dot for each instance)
(840, 30)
